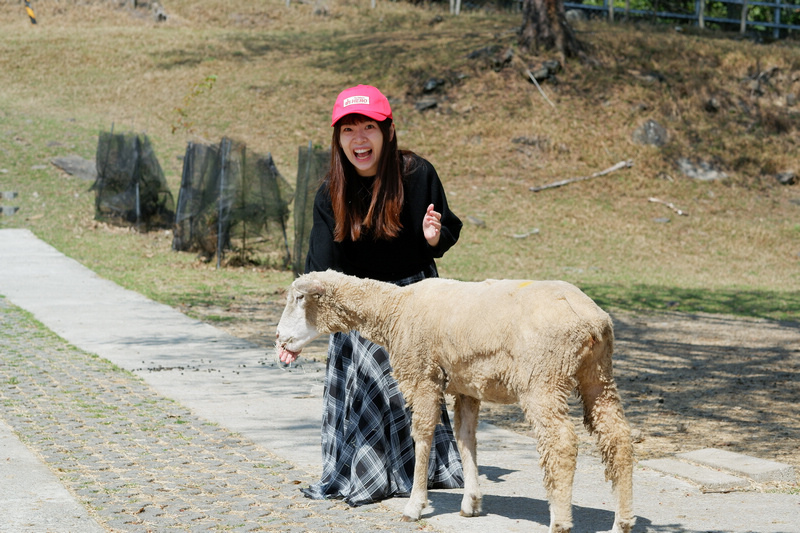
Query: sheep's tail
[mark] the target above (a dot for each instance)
(603, 416)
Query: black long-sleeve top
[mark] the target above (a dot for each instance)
(386, 260)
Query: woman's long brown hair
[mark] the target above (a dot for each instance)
(382, 216)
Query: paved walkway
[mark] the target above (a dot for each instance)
(135, 417)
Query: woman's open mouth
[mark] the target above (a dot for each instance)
(363, 153)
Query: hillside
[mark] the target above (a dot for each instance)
(724, 104)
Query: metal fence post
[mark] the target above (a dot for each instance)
(743, 23)
(701, 11)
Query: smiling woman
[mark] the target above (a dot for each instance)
(381, 214)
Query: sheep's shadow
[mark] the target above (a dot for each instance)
(528, 509)
(537, 511)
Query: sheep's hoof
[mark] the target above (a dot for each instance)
(470, 506)
(413, 511)
(623, 526)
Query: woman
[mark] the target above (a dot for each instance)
(382, 214)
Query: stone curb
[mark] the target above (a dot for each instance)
(758, 470)
(706, 479)
(716, 470)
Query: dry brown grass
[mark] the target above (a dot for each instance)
(278, 69)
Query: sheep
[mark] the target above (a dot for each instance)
(505, 341)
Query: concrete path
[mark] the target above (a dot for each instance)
(226, 381)
(31, 496)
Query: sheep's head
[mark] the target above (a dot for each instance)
(298, 324)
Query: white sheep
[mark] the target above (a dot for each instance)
(505, 341)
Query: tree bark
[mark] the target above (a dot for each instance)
(544, 24)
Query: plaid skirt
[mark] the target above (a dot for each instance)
(367, 449)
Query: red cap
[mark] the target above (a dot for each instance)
(364, 100)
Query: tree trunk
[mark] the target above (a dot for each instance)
(544, 23)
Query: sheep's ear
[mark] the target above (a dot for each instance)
(308, 286)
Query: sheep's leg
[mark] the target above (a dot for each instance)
(557, 443)
(603, 416)
(466, 424)
(426, 409)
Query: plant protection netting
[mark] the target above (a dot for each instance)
(312, 165)
(233, 204)
(130, 188)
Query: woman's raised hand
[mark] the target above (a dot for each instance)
(432, 226)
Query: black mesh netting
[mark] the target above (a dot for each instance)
(233, 204)
(312, 165)
(130, 187)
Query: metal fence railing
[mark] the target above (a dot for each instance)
(777, 15)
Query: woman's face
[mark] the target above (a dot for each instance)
(362, 142)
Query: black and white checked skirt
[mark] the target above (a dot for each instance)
(367, 449)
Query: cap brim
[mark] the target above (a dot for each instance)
(370, 113)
